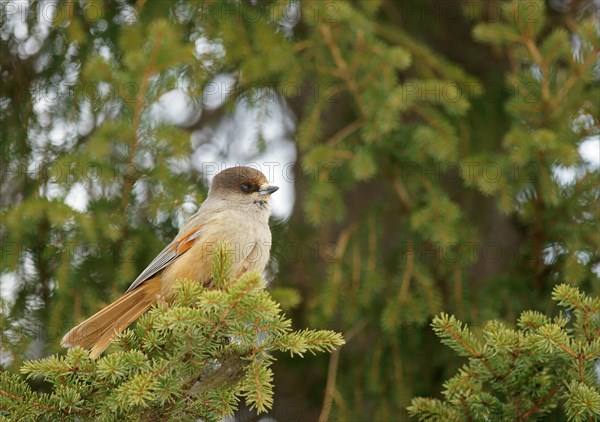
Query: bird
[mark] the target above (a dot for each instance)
(236, 212)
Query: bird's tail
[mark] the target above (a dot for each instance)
(98, 331)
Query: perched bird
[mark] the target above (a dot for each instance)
(236, 211)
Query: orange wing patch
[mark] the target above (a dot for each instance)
(187, 240)
(168, 255)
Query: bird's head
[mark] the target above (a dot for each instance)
(243, 185)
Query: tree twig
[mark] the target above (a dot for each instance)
(330, 390)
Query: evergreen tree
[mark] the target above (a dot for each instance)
(430, 136)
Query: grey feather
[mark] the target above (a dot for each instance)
(164, 258)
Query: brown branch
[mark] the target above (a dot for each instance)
(330, 386)
(465, 406)
(539, 60)
(573, 78)
(536, 406)
(43, 405)
(343, 67)
(538, 228)
(408, 273)
(372, 239)
(234, 303)
(330, 390)
(137, 118)
(565, 349)
(129, 180)
(403, 194)
(345, 132)
(458, 291)
(473, 353)
(10, 396)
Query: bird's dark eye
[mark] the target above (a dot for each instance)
(245, 187)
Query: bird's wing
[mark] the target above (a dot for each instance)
(180, 245)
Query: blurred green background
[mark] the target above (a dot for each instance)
(434, 155)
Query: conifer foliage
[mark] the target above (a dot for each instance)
(522, 373)
(431, 142)
(194, 359)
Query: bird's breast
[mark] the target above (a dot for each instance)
(248, 238)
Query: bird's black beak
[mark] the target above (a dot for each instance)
(267, 190)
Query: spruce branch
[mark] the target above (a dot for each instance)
(192, 359)
(343, 71)
(526, 371)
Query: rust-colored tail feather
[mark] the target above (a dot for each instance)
(98, 331)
